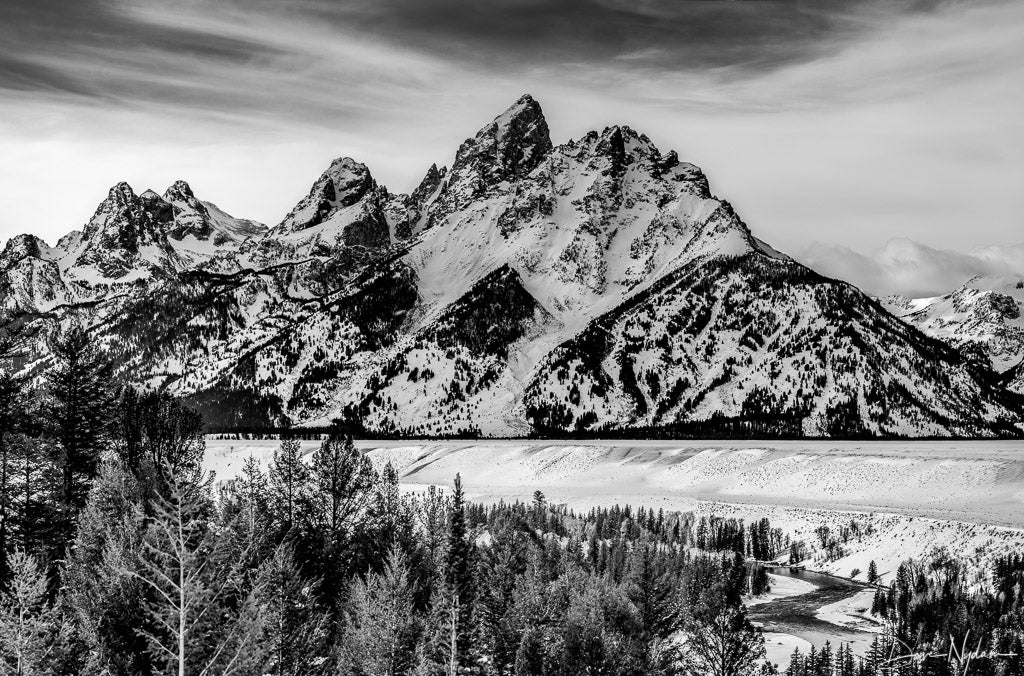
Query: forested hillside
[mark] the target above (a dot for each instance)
(118, 556)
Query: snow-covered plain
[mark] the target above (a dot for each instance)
(907, 498)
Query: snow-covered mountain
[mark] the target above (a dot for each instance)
(596, 285)
(129, 243)
(985, 314)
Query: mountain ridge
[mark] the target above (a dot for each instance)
(532, 288)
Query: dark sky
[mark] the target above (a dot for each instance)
(847, 123)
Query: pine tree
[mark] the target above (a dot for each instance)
(291, 631)
(652, 590)
(252, 493)
(723, 644)
(381, 632)
(337, 527)
(10, 391)
(530, 654)
(454, 603)
(36, 481)
(872, 572)
(702, 533)
(288, 485)
(501, 565)
(430, 513)
(129, 428)
(390, 517)
(79, 414)
(878, 603)
(109, 605)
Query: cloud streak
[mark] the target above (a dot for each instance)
(186, 51)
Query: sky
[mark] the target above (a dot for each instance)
(880, 141)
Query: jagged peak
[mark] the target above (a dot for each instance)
(510, 146)
(121, 191)
(429, 184)
(345, 180)
(620, 140)
(23, 246)
(525, 108)
(179, 191)
(343, 184)
(345, 165)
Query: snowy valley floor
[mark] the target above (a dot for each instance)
(907, 499)
(967, 496)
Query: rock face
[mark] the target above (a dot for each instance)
(596, 286)
(981, 317)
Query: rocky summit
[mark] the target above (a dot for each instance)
(592, 287)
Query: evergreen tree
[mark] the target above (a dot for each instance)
(288, 485)
(506, 560)
(32, 523)
(337, 529)
(723, 643)
(759, 581)
(872, 572)
(291, 630)
(457, 572)
(109, 604)
(381, 632)
(79, 414)
(652, 589)
(702, 533)
(10, 395)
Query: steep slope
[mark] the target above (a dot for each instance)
(755, 346)
(591, 287)
(462, 373)
(985, 315)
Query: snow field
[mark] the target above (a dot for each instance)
(906, 500)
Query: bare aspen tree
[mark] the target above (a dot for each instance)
(179, 566)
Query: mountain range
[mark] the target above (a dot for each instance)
(592, 287)
(984, 315)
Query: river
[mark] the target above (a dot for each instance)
(797, 616)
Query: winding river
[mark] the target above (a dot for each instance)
(797, 615)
